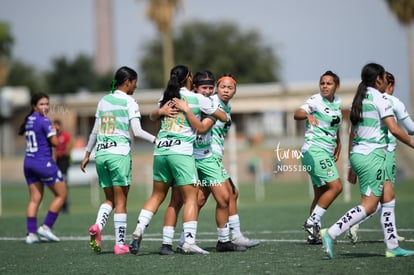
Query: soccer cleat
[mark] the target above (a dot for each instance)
(398, 252)
(121, 249)
(246, 242)
(312, 229)
(32, 238)
(179, 248)
(136, 241)
(352, 233)
(45, 232)
(193, 249)
(229, 246)
(311, 240)
(327, 243)
(95, 235)
(166, 249)
(400, 238)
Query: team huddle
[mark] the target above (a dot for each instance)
(188, 152)
(194, 115)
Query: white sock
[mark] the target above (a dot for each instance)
(144, 219)
(388, 224)
(168, 234)
(353, 216)
(120, 224)
(103, 215)
(316, 216)
(223, 233)
(234, 224)
(190, 230)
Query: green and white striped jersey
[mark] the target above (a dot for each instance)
(372, 133)
(176, 135)
(220, 128)
(114, 112)
(329, 116)
(400, 113)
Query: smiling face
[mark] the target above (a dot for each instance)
(42, 106)
(327, 86)
(206, 90)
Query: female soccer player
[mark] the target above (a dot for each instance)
(40, 170)
(321, 149)
(404, 119)
(116, 113)
(371, 117)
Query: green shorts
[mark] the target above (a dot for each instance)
(390, 167)
(371, 171)
(323, 169)
(177, 170)
(114, 170)
(210, 172)
(219, 158)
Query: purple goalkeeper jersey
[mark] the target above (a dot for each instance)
(38, 131)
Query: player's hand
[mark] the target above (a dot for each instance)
(352, 177)
(84, 162)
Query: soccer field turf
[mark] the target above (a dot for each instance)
(276, 221)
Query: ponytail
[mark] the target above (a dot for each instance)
(369, 75)
(178, 76)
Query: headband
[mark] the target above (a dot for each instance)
(205, 82)
(229, 78)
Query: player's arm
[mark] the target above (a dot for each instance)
(338, 146)
(301, 114)
(168, 109)
(139, 132)
(397, 131)
(408, 125)
(351, 177)
(91, 144)
(194, 121)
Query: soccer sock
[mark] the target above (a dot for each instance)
(144, 219)
(353, 216)
(388, 224)
(103, 215)
(168, 234)
(234, 224)
(120, 224)
(223, 233)
(31, 224)
(316, 216)
(50, 218)
(190, 230)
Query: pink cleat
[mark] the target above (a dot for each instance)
(95, 234)
(119, 250)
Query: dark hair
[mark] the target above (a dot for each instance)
(334, 75)
(204, 78)
(369, 75)
(178, 75)
(35, 98)
(121, 75)
(226, 75)
(390, 78)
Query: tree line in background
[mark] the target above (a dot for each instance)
(220, 47)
